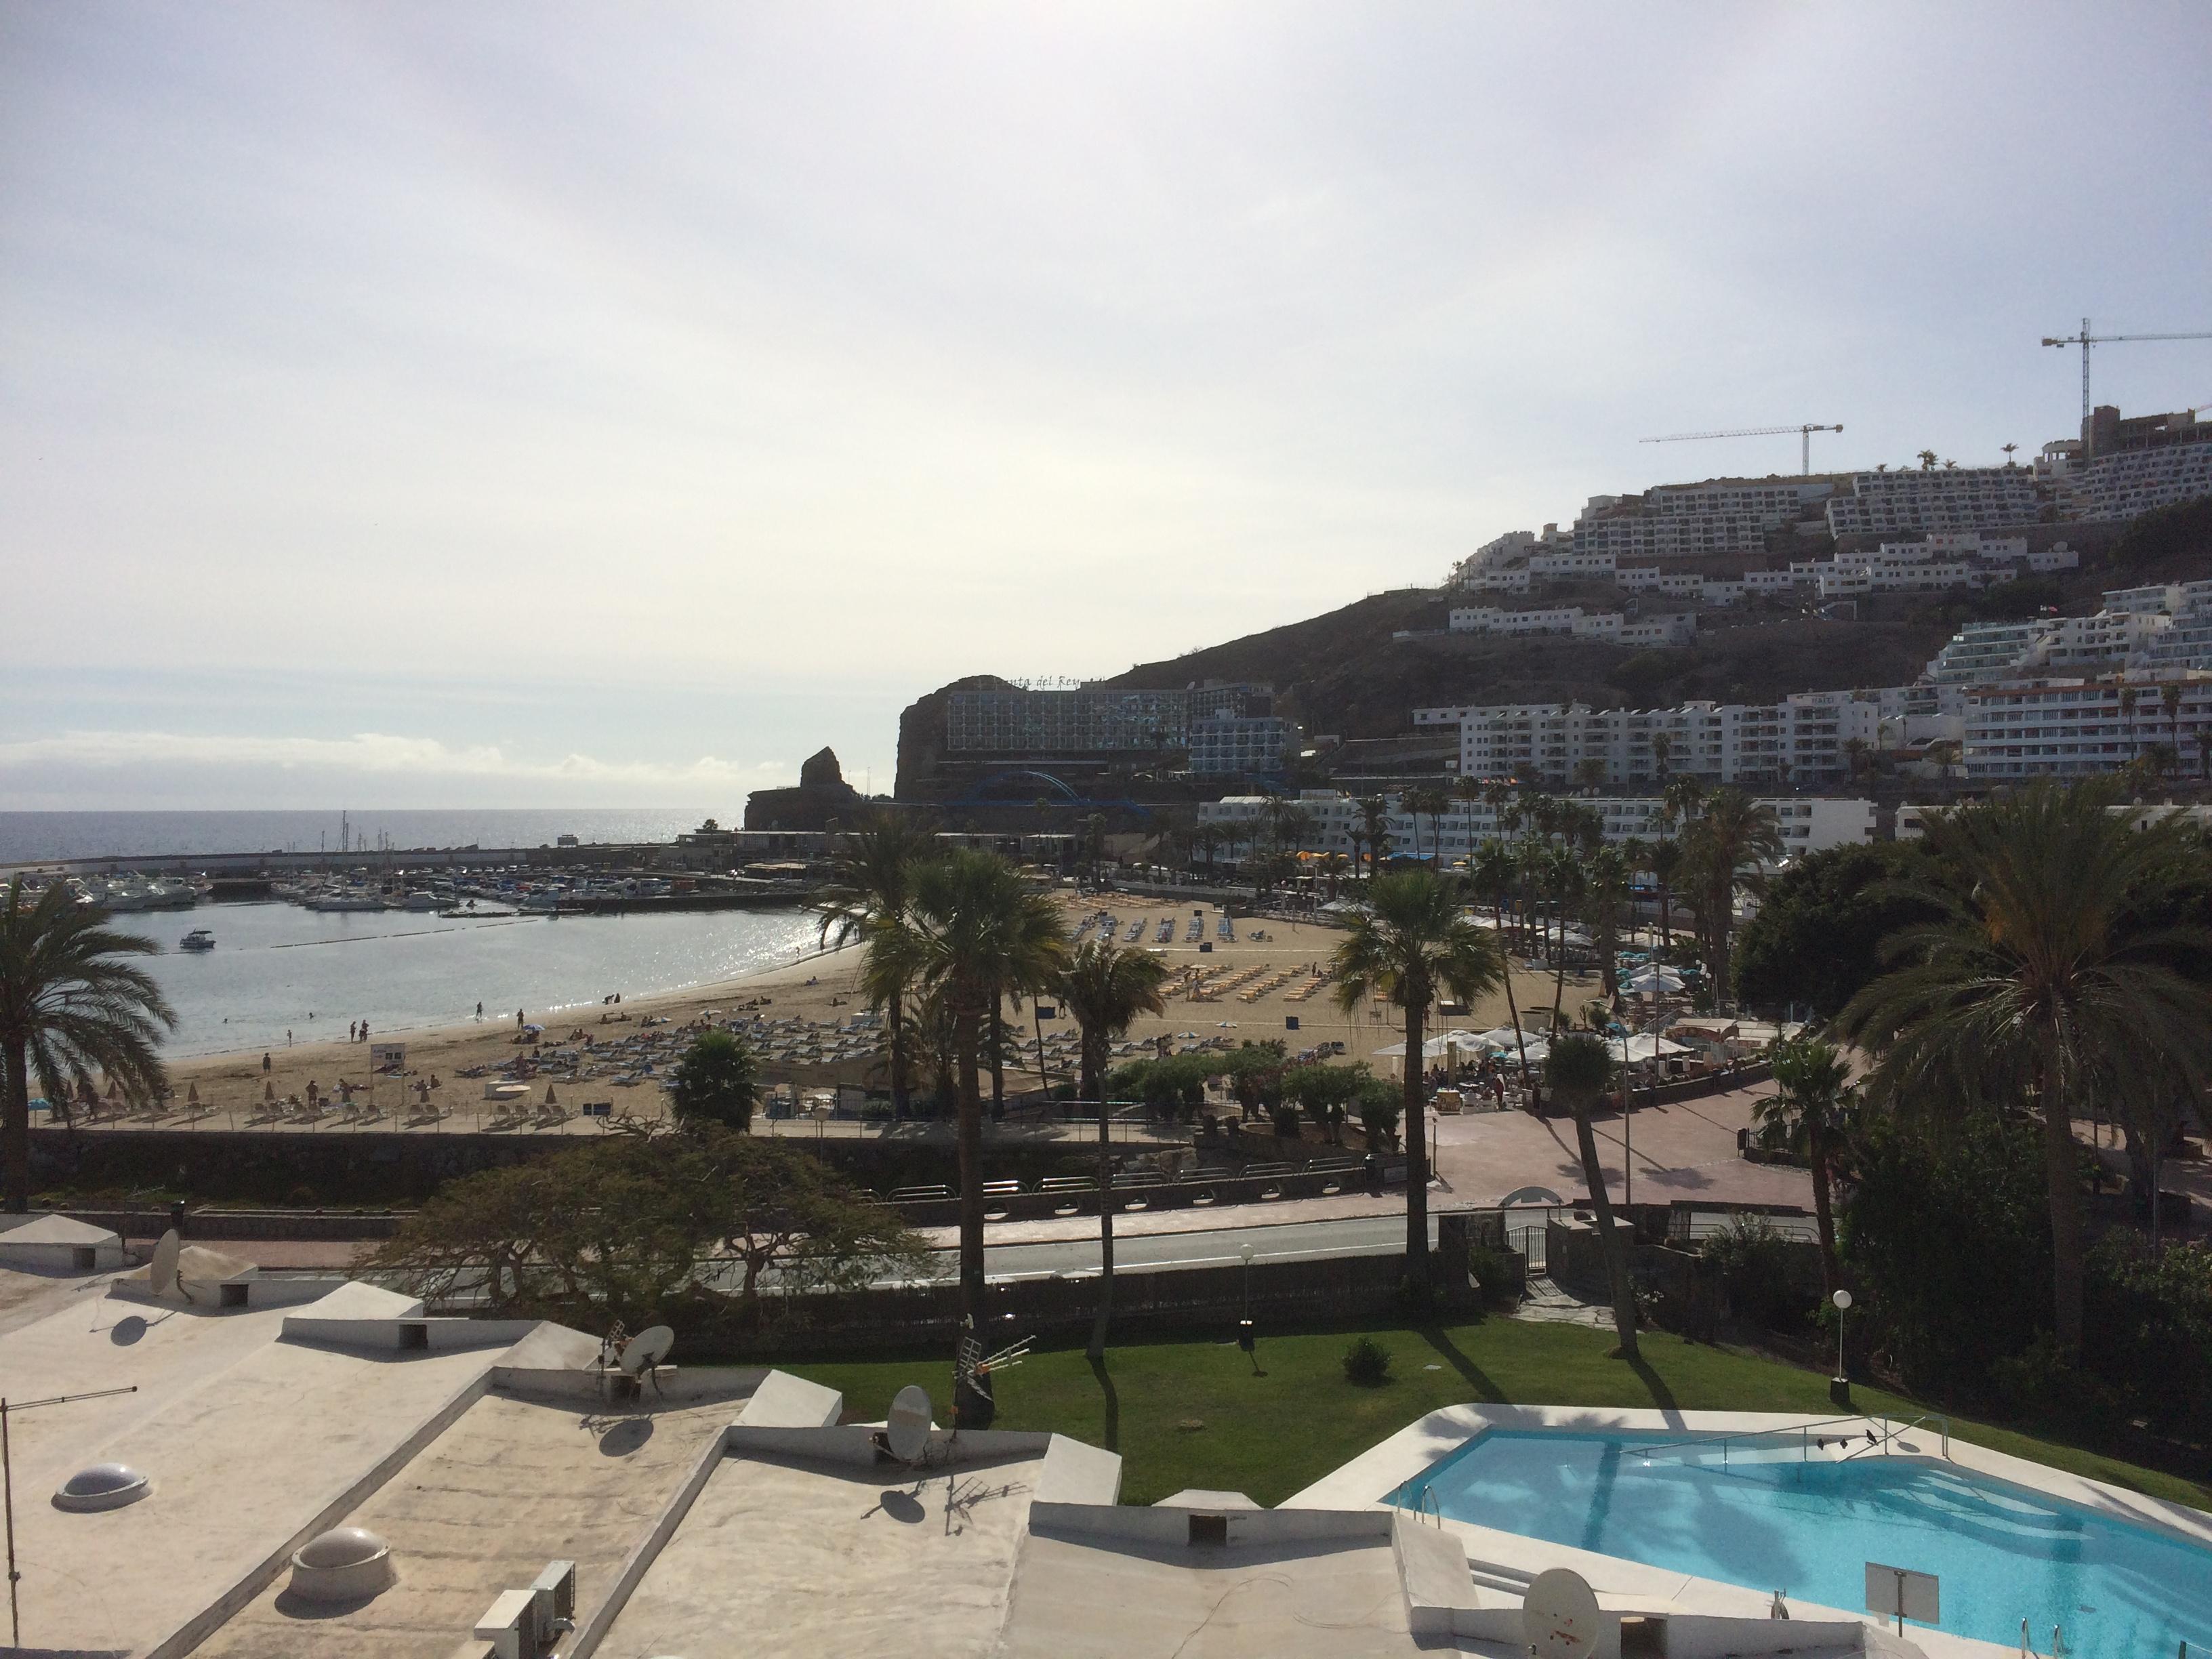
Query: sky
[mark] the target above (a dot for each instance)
(412, 405)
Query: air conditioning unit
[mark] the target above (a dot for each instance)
(553, 1590)
(511, 1625)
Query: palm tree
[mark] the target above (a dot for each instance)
(866, 899)
(1105, 988)
(1590, 772)
(1681, 800)
(2054, 964)
(1412, 943)
(1606, 878)
(2169, 694)
(1580, 1070)
(1663, 750)
(1725, 848)
(2129, 696)
(1565, 883)
(1375, 829)
(2204, 751)
(974, 933)
(1813, 1097)
(68, 1007)
(1927, 460)
(1666, 866)
(1205, 839)
(1434, 803)
(1493, 870)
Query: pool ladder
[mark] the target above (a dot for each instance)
(2059, 1647)
(1892, 1428)
(1427, 1506)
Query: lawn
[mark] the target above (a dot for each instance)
(1194, 1414)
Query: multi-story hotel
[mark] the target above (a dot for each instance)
(2070, 728)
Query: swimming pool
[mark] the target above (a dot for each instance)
(1769, 1521)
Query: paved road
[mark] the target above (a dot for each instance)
(1219, 1246)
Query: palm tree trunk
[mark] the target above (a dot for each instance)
(1616, 1267)
(998, 1062)
(2062, 1170)
(965, 1045)
(1816, 1152)
(17, 1129)
(1097, 1349)
(902, 1091)
(1417, 1158)
(1512, 1008)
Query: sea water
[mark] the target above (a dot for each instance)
(26, 837)
(277, 967)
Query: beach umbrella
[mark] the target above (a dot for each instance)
(1645, 1046)
(192, 1094)
(1435, 1048)
(268, 1090)
(549, 1101)
(1644, 980)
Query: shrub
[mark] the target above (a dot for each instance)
(2039, 1385)
(715, 1082)
(1753, 1261)
(1494, 1270)
(1367, 1363)
(2149, 1333)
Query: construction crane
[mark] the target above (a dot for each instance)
(1804, 439)
(2085, 339)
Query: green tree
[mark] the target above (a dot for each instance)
(1812, 1103)
(1606, 888)
(1105, 988)
(1493, 872)
(1580, 1069)
(617, 1230)
(1724, 851)
(71, 1007)
(974, 933)
(1412, 943)
(1817, 941)
(715, 1082)
(2056, 959)
(864, 901)
(1374, 827)
(1666, 866)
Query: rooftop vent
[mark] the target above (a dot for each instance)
(102, 1487)
(346, 1564)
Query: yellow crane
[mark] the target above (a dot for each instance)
(1804, 439)
(2085, 339)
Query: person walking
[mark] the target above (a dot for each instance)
(264, 1062)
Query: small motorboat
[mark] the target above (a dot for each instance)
(198, 939)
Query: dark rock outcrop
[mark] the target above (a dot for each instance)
(821, 795)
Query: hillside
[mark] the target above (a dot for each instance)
(1345, 674)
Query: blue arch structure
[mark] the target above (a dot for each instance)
(1058, 790)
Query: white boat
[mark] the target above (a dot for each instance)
(198, 939)
(422, 902)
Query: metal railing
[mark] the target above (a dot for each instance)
(1891, 1429)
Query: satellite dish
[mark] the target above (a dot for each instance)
(647, 1350)
(1559, 1616)
(161, 1272)
(909, 1424)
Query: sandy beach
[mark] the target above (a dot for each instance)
(1251, 989)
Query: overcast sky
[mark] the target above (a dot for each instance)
(422, 404)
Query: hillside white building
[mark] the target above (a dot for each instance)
(2074, 727)
(1946, 498)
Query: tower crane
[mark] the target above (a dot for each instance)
(1804, 439)
(2085, 339)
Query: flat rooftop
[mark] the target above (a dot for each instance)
(835, 1559)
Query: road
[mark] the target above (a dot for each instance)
(1218, 1247)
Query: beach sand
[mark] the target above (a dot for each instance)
(823, 989)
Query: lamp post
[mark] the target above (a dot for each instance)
(1245, 1339)
(1839, 1386)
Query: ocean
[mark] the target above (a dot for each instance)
(28, 837)
(277, 967)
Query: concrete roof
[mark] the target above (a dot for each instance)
(802, 1557)
(57, 1229)
(515, 1484)
(1119, 1600)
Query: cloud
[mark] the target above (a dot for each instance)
(373, 755)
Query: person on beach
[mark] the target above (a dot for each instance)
(349, 1032)
(479, 1011)
(264, 1062)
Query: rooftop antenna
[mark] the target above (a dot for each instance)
(161, 1272)
(642, 1354)
(1559, 1616)
(907, 1428)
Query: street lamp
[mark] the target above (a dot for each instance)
(1244, 1336)
(1839, 1386)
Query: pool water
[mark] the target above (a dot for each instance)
(1767, 1520)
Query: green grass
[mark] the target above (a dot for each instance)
(1271, 1434)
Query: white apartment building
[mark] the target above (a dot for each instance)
(1946, 498)
(2074, 727)
(1986, 650)
(1240, 746)
(1807, 824)
(1956, 559)
(2135, 480)
(1570, 564)
(1572, 619)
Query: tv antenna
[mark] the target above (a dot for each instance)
(8, 1476)
(908, 1426)
(1559, 1616)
